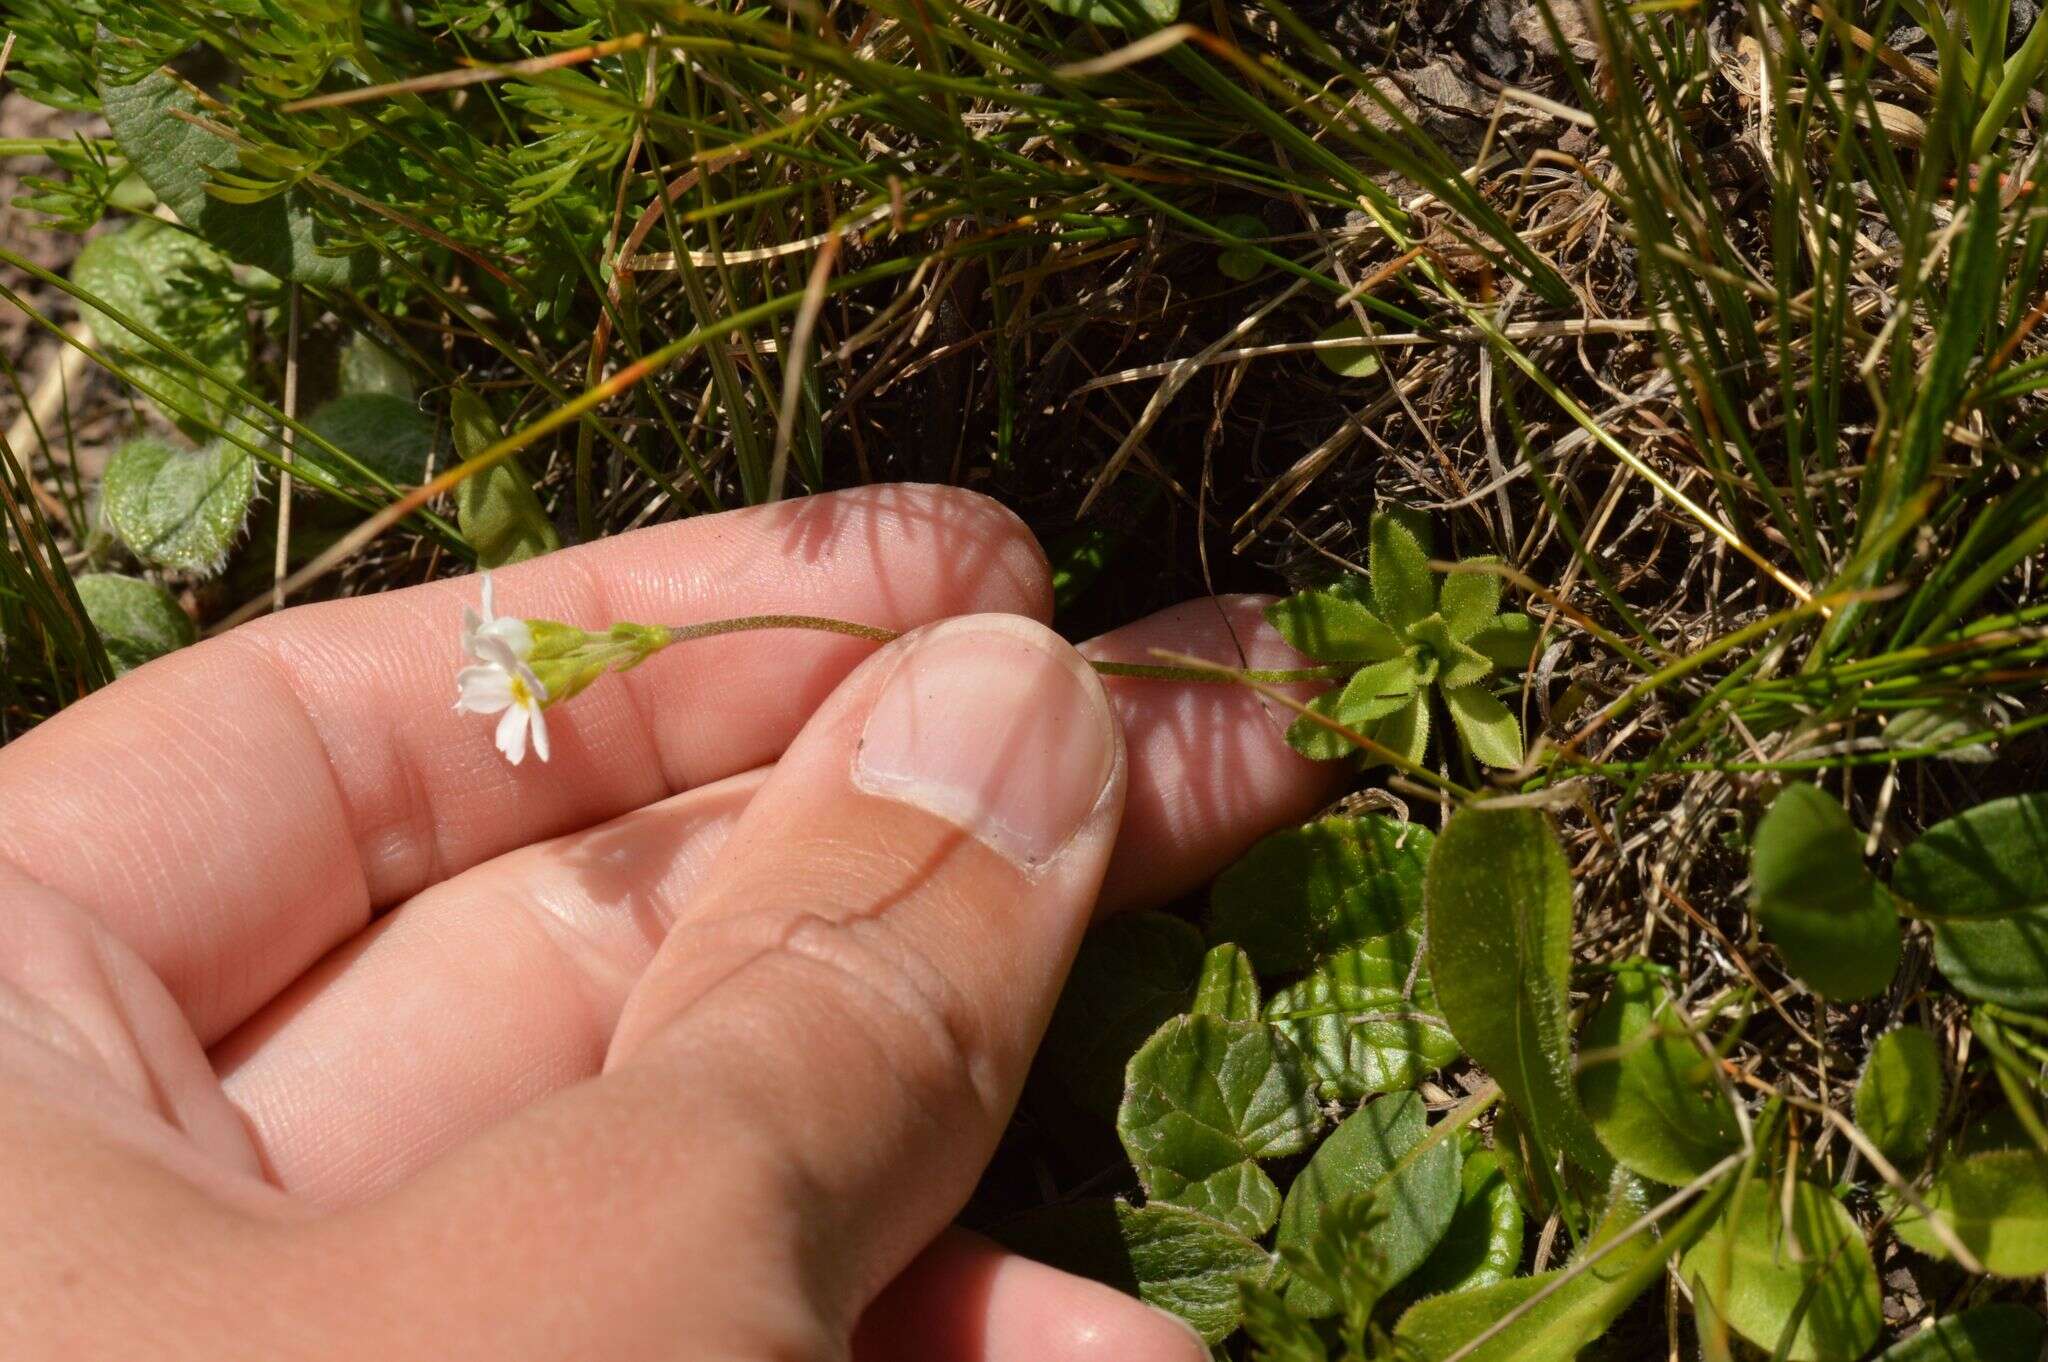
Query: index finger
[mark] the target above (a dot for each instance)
(236, 809)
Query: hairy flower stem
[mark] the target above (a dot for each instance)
(1139, 670)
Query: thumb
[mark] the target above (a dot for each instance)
(809, 1078)
(882, 942)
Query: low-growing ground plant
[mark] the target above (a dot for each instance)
(1635, 407)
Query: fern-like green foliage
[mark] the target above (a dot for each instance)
(1411, 636)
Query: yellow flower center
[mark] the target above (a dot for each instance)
(520, 694)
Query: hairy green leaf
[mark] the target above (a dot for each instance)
(1333, 627)
(276, 234)
(179, 287)
(1375, 1150)
(1488, 728)
(1204, 1099)
(1132, 973)
(367, 367)
(1228, 988)
(137, 620)
(1997, 1205)
(1360, 1028)
(1310, 891)
(1403, 587)
(178, 508)
(1898, 1097)
(1987, 862)
(1470, 601)
(1509, 641)
(1763, 1266)
(1651, 1095)
(386, 434)
(1499, 898)
(1831, 921)
(496, 510)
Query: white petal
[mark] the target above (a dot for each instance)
(540, 734)
(512, 733)
(513, 634)
(471, 625)
(483, 690)
(489, 615)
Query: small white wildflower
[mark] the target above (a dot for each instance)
(499, 679)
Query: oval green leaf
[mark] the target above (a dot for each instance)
(1898, 1096)
(1376, 1150)
(137, 620)
(1499, 898)
(497, 509)
(1204, 1099)
(1647, 1088)
(1483, 1243)
(1989, 1333)
(1997, 1205)
(1350, 361)
(387, 435)
(1759, 1281)
(1987, 862)
(178, 508)
(1830, 920)
(1307, 892)
(1997, 960)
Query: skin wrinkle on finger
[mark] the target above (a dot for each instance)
(192, 872)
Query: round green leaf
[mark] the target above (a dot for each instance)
(386, 434)
(1987, 862)
(1132, 973)
(179, 287)
(1830, 920)
(1359, 1029)
(176, 158)
(137, 620)
(1758, 1280)
(1997, 1204)
(1309, 891)
(1235, 262)
(1351, 361)
(1648, 1089)
(1376, 1150)
(1989, 1333)
(1171, 1258)
(1204, 1099)
(1898, 1097)
(1483, 1243)
(177, 508)
(1499, 901)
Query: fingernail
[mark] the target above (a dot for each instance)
(996, 725)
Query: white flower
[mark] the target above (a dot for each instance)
(499, 679)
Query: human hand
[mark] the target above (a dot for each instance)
(324, 1032)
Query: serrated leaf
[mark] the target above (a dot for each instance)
(496, 510)
(1204, 1100)
(177, 286)
(1499, 900)
(1307, 892)
(1584, 1298)
(1509, 641)
(1333, 627)
(1987, 862)
(1136, 14)
(1761, 1263)
(1375, 1151)
(1361, 1033)
(1899, 1095)
(1483, 1243)
(1648, 1090)
(1989, 1333)
(1228, 987)
(1132, 973)
(1348, 361)
(1997, 1205)
(177, 158)
(1488, 729)
(1181, 1262)
(388, 435)
(1403, 587)
(1276, 1333)
(1829, 918)
(137, 620)
(178, 508)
